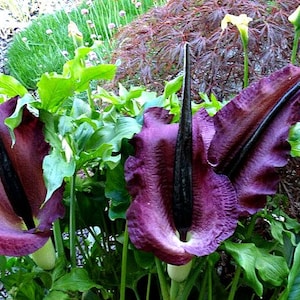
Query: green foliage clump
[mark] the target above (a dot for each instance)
(44, 46)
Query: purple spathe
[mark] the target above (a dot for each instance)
(26, 156)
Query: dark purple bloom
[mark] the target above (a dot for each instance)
(231, 176)
(25, 222)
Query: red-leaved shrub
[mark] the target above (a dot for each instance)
(151, 47)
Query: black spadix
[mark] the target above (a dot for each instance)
(182, 187)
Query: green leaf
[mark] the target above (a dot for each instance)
(244, 255)
(81, 75)
(82, 135)
(15, 119)
(294, 140)
(277, 230)
(54, 176)
(76, 280)
(11, 87)
(173, 86)
(271, 268)
(55, 295)
(292, 291)
(104, 71)
(115, 190)
(51, 122)
(3, 262)
(144, 259)
(133, 93)
(54, 89)
(105, 143)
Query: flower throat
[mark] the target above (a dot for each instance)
(14, 189)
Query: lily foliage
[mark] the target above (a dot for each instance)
(93, 132)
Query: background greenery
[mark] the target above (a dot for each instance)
(44, 46)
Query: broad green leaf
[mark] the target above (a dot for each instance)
(125, 128)
(277, 230)
(76, 280)
(82, 52)
(144, 259)
(115, 190)
(103, 71)
(294, 140)
(102, 153)
(54, 89)
(15, 119)
(56, 168)
(133, 93)
(80, 108)
(108, 139)
(65, 125)
(81, 75)
(173, 86)
(292, 292)
(109, 97)
(11, 87)
(51, 122)
(271, 268)
(82, 135)
(57, 295)
(245, 256)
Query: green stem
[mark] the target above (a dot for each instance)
(251, 227)
(72, 222)
(202, 288)
(192, 279)
(162, 280)
(174, 289)
(148, 286)
(124, 264)
(58, 240)
(246, 65)
(210, 289)
(239, 269)
(295, 46)
(235, 282)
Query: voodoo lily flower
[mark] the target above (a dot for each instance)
(25, 222)
(234, 156)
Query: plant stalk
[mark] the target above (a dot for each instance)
(174, 290)
(58, 240)
(124, 264)
(72, 222)
(148, 286)
(235, 282)
(246, 65)
(210, 289)
(295, 46)
(162, 280)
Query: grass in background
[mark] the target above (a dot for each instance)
(44, 46)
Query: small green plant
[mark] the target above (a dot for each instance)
(45, 45)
